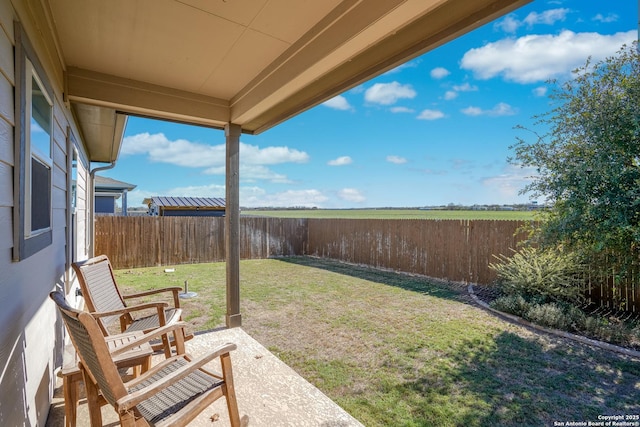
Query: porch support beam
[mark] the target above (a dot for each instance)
(232, 224)
(144, 99)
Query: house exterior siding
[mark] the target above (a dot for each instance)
(31, 336)
(82, 213)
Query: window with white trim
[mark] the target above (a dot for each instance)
(39, 130)
(33, 169)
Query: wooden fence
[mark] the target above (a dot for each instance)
(457, 250)
(142, 241)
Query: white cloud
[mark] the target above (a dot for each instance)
(254, 155)
(179, 152)
(213, 190)
(211, 158)
(401, 110)
(510, 182)
(612, 17)
(450, 94)
(182, 152)
(548, 17)
(511, 23)
(338, 103)
(501, 109)
(340, 161)
(135, 197)
(540, 91)
(250, 173)
(396, 160)
(439, 73)
(536, 58)
(388, 93)
(258, 197)
(453, 94)
(465, 87)
(430, 115)
(351, 195)
(472, 111)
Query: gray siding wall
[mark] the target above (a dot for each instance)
(31, 334)
(81, 214)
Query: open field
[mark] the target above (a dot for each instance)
(393, 214)
(399, 350)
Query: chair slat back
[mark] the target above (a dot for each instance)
(99, 287)
(90, 345)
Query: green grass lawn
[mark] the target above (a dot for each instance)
(399, 350)
(393, 214)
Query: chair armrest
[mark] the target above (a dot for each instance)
(132, 399)
(149, 336)
(157, 305)
(173, 289)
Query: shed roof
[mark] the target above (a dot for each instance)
(212, 203)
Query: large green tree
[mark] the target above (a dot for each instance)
(588, 158)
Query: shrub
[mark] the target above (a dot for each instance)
(635, 336)
(615, 332)
(567, 317)
(550, 315)
(549, 275)
(576, 317)
(513, 304)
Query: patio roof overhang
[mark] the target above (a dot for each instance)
(253, 63)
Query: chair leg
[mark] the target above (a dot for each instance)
(128, 419)
(146, 364)
(166, 343)
(70, 390)
(178, 340)
(229, 390)
(93, 400)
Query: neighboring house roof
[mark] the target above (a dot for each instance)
(109, 187)
(102, 183)
(167, 202)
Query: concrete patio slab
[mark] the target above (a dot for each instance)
(269, 392)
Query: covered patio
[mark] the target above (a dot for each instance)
(269, 392)
(241, 67)
(234, 66)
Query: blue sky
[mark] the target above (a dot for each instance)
(434, 131)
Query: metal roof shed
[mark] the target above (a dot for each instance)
(185, 206)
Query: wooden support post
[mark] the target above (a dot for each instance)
(232, 224)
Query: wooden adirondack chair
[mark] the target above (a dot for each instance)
(105, 301)
(171, 393)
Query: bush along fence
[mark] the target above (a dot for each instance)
(456, 250)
